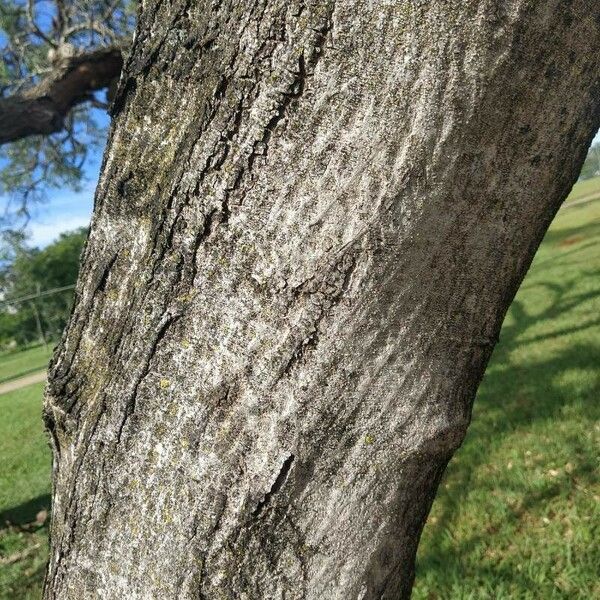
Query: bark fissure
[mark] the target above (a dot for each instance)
(328, 293)
(168, 321)
(277, 485)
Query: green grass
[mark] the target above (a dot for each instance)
(24, 492)
(585, 188)
(518, 512)
(16, 364)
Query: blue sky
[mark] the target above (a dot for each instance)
(67, 210)
(63, 211)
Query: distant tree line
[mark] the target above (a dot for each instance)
(591, 167)
(26, 271)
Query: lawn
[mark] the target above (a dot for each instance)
(585, 189)
(24, 493)
(518, 513)
(16, 364)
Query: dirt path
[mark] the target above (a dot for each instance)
(17, 384)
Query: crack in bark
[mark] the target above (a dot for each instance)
(300, 550)
(277, 485)
(103, 279)
(70, 513)
(168, 321)
(330, 299)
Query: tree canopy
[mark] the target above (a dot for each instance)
(61, 59)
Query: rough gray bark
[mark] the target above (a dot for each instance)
(41, 110)
(311, 220)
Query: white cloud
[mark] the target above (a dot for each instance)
(63, 211)
(43, 233)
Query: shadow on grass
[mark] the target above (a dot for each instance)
(24, 513)
(514, 395)
(588, 231)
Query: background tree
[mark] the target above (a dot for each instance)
(26, 270)
(311, 220)
(591, 166)
(58, 56)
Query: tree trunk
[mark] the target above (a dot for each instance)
(311, 219)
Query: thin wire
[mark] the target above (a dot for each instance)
(36, 295)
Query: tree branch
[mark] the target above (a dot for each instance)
(41, 109)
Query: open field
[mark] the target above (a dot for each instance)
(585, 189)
(24, 492)
(16, 364)
(518, 513)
